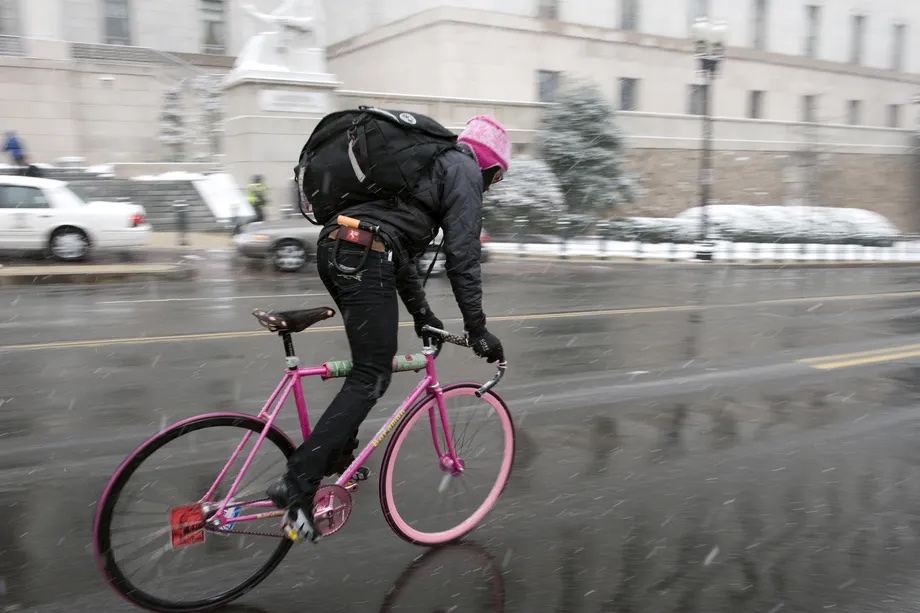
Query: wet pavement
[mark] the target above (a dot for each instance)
(688, 438)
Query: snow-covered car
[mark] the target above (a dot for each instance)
(424, 262)
(45, 215)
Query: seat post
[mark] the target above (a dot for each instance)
(289, 355)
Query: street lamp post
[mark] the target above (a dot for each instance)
(709, 50)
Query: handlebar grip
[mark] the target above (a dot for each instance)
(453, 339)
(348, 222)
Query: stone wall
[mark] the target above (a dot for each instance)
(880, 183)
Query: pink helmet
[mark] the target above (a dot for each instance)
(488, 140)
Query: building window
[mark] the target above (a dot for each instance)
(812, 30)
(629, 94)
(809, 111)
(9, 18)
(117, 22)
(547, 85)
(856, 42)
(629, 14)
(696, 99)
(894, 116)
(759, 25)
(697, 9)
(898, 40)
(755, 104)
(214, 20)
(548, 9)
(854, 112)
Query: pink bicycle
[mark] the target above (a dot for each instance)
(217, 509)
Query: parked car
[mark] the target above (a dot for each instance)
(45, 215)
(424, 262)
(291, 243)
(288, 243)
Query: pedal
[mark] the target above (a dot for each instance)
(360, 475)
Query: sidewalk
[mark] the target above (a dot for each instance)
(92, 273)
(197, 241)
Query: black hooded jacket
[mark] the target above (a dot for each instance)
(452, 201)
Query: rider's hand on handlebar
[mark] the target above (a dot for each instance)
(427, 318)
(486, 345)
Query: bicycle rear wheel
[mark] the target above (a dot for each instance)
(424, 499)
(158, 552)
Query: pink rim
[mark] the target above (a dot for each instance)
(445, 536)
(97, 554)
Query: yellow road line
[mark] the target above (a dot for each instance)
(841, 298)
(145, 340)
(874, 359)
(208, 336)
(860, 354)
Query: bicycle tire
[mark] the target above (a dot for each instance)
(102, 524)
(391, 514)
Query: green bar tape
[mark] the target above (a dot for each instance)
(401, 363)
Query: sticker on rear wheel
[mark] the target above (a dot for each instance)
(186, 526)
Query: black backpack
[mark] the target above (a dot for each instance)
(366, 154)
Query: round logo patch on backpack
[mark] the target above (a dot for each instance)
(407, 118)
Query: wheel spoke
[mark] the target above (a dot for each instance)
(423, 502)
(156, 564)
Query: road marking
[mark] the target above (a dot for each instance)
(872, 353)
(889, 357)
(834, 362)
(511, 318)
(208, 299)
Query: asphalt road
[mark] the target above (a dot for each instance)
(689, 438)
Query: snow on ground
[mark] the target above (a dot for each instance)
(101, 169)
(178, 175)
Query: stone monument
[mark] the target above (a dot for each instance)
(278, 90)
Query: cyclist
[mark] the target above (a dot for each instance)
(368, 302)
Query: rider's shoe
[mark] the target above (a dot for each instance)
(298, 517)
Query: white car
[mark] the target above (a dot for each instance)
(45, 215)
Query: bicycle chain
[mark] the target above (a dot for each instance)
(246, 533)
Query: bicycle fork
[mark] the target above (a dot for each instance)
(448, 461)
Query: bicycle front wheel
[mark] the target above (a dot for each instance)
(428, 501)
(153, 541)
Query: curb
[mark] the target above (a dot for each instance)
(10, 277)
(711, 264)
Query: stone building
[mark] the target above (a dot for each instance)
(814, 96)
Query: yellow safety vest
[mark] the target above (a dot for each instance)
(256, 194)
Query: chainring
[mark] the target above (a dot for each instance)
(331, 509)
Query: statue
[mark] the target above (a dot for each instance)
(296, 42)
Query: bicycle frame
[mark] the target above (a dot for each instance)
(292, 381)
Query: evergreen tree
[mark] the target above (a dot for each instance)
(209, 95)
(529, 190)
(584, 148)
(172, 124)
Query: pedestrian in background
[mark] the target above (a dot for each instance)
(258, 197)
(14, 147)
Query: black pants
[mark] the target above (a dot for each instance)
(368, 304)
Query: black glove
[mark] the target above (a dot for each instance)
(486, 345)
(427, 318)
